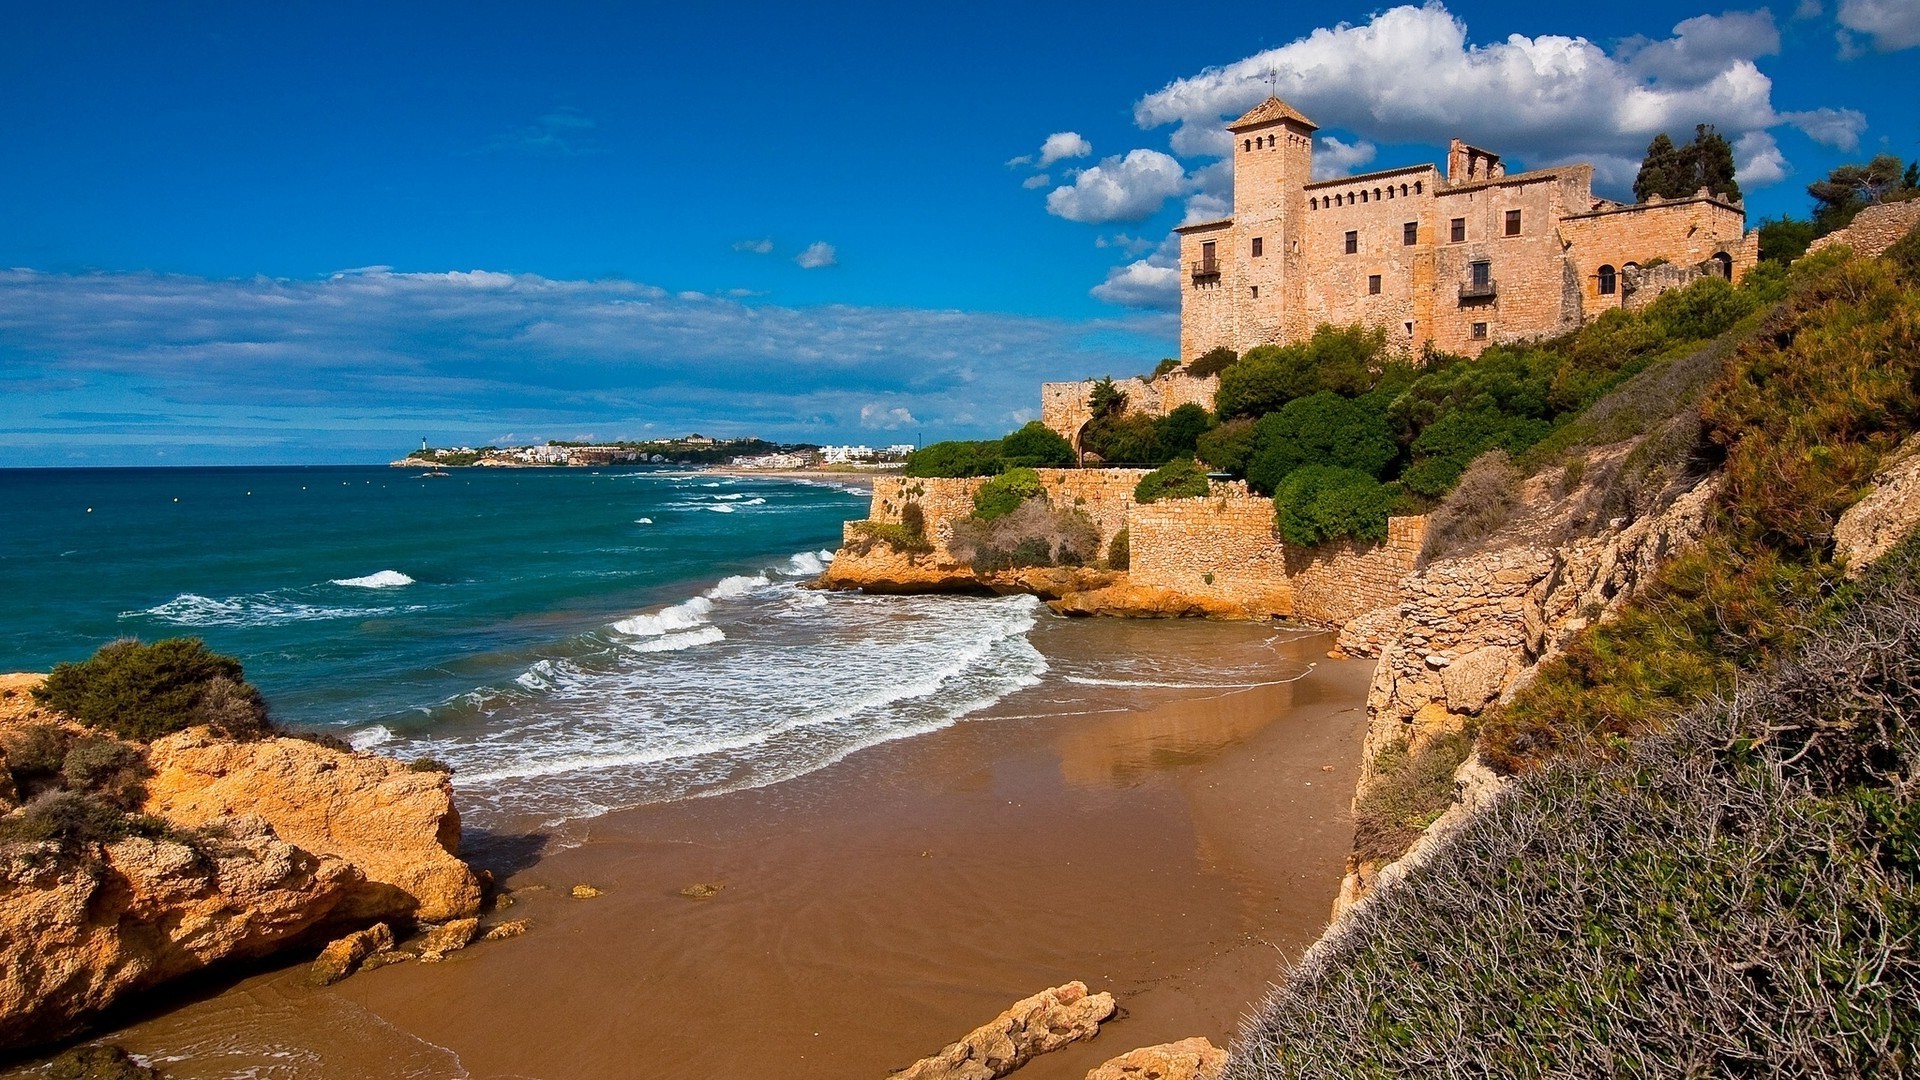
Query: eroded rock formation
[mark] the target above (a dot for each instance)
(1188, 1059)
(1036, 1025)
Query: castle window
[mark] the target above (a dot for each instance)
(1376, 194)
(1416, 187)
(1403, 189)
(1373, 284)
(1410, 233)
(1313, 204)
(1389, 191)
(1259, 246)
(1256, 292)
(1607, 281)
(1459, 230)
(1482, 271)
(1353, 242)
(1479, 331)
(1246, 144)
(1363, 196)
(1513, 223)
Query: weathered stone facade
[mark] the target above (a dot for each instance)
(1459, 260)
(1064, 407)
(1874, 229)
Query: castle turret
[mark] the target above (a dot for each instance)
(1272, 163)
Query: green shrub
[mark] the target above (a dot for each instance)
(1266, 378)
(114, 770)
(1166, 365)
(1321, 429)
(1004, 493)
(429, 764)
(894, 535)
(35, 755)
(145, 691)
(1123, 439)
(1035, 446)
(1318, 503)
(1032, 534)
(1213, 362)
(1174, 480)
(321, 738)
(1178, 432)
(97, 1063)
(1444, 449)
(913, 519)
(73, 819)
(1106, 399)
(1120, 551)
(955, 458)
(1408, 791)
(1227, 448)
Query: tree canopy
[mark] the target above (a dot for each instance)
(1675, 172)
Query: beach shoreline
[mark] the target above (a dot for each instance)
(1169, 844)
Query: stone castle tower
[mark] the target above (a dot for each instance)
(1272, 164)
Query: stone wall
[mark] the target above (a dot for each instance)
(1686, 232)
(1221, 548)
(1064, 408)
(1340, 581)
(1874, 229)
(1105, 495)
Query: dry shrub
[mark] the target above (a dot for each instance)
(1409, 790)
(1476, 508)
(1032, 534)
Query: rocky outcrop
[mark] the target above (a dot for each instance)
(1044, 1022)
(448, 937)
(398, 826)
(78, 934)
(1188, 1059)
(1128, 600)
(1886, 515)
(343, 956)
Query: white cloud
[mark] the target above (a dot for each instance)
(1758, 161)
(1132, 245)
(1037, 180)
(1411, 74)
(1130, 188)
(1207, 207)
(762, 246)
(818, 254)
(1838, 128)
(1891, 25)
(874, 415)
(109, 367)
(1808, 9)
(1335, 158)
(1061, 145)
(1152, 283)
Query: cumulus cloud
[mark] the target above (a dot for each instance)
(875, 415)
(1150, 284)
(1888, 25)
(1411, 74)
(1758, 161)
(1335, 158)
(1061, 145)
(1037, 180)
(762, 246)
(1130, 188)
(1132, 245)
(818, 254)
(1838, 128)
(110, 367)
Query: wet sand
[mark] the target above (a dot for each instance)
(1170, 845)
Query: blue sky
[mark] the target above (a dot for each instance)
(307, 232)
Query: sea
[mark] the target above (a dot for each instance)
(571, 641)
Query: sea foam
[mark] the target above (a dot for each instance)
(379, 579)
(682, 616)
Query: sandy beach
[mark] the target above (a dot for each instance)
(1171, 844)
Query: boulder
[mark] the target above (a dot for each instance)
(1886, 515)
(343, 956)
(502, 931)
(1473, 680)
(1036, 1025)
(119, 918)
(1188, 1059)
(448, 937)
(398, 826)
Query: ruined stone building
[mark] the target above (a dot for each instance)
(1460, 260)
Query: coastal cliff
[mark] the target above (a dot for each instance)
(241, 849)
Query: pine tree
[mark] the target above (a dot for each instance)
(1713, 163)
(1656, 169)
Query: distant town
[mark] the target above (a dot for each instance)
(695, 449)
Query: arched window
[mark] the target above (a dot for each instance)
(1725, 262)
(1376, 194)
(1247, 145)
(1416, 187)
(1607, 280)
(1363, 196)
(1389, 191)
(1403, 189)
(1313, 204)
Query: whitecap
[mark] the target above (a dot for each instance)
(732, 496)
(369, 737)
(808, 563)
(722, 508)
(732, 588)
(192, 609)
(643, 521)
(705, 635)
(380, 579)
(682, 616)
(754, 502)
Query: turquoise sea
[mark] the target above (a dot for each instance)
(572, 641)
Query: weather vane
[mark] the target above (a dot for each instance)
(1273, 81)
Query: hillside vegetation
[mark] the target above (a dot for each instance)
(1707, 862)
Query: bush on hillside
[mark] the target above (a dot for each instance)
(1319, 503)
(1408, 791)
(1213, 362)
(1003, 494)
(1130, 439)
(1035, 446)
(1227, 448)
(1476, 508)
(143, 692)
(1031, 534)
(955, 458)
(1120, 551)
(1175, 480)
(1166, 366)
(1321, 429)
(1347, 360)
(1178, 432)
(1447, 446)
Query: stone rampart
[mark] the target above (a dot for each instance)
(1874, 229)
(1221, 548)
(1342, 580)
(1064, 409)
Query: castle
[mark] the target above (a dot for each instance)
(1458, 261)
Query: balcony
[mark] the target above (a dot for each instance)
(1206, 270)
(1478, 290)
